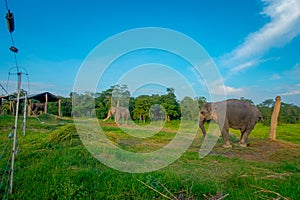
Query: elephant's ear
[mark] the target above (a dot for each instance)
(208, 107)
(214, 107)
(214, 113)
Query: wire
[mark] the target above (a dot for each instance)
(5, 173)
(6, 170)
(3, 89)
(6, 4)
(12, 72)
(4, 149)
(10, 26)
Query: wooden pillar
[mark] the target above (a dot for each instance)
(274, 119)
(29, 108)
(46, 103)
(12, 107)
(59, 107)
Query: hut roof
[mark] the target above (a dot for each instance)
(42, 97)
(39, 97)
(8, 97)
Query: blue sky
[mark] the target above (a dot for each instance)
(254, 44)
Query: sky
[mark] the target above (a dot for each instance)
(253, 44)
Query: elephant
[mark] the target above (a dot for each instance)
(232, 113)
(37, 107)
(118, 113)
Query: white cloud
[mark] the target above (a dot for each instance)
(231, 90)
(284, 25)
(219, 88)
(294, 73)
(294, 90)
(275, 77)
(244, 65)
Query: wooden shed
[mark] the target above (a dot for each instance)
(43, 98)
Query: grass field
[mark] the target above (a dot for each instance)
(52, 163)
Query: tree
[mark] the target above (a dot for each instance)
(117, 95)
(141, 108)
(201, 101)
(247, 100)
(66, 106)
(83, 104)
(268, 103)
(170, 104)
(103, 103)
(289, 113)
(157, 113)
(120, 96)
(189, 108)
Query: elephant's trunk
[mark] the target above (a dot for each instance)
(201, 125)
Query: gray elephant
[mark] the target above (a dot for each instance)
(37, 107)
(231, 113)
(118, 113)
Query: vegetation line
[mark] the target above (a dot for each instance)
(167, 190)
(148, 186)
(269, 191)
(223, 197)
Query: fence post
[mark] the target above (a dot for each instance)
(274, 119)
(59, 107)
(46, 103)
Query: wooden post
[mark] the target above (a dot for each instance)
(12, 107)
(274, 119)
(46, 103)
(59, 107)
(29, 108)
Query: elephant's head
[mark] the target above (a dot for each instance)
(207, 113)
(113, 110)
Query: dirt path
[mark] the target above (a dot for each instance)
(262, 151)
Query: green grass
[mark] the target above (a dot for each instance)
(285, 132)
(53, 164)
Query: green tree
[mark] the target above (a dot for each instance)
(289, 113)
(141, 108)
(201, 101)
(189, 108)
(247, 100)
(170, 104)
(157, 113)
(66, 106)
(83, 104)
(120, 96)
(103, 103)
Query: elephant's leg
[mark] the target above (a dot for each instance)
(123, 117)
(35, 111)
(244, 137)
(225, 135)
(117, 118)
(126, 119)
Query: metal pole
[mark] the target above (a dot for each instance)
(15, 135)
